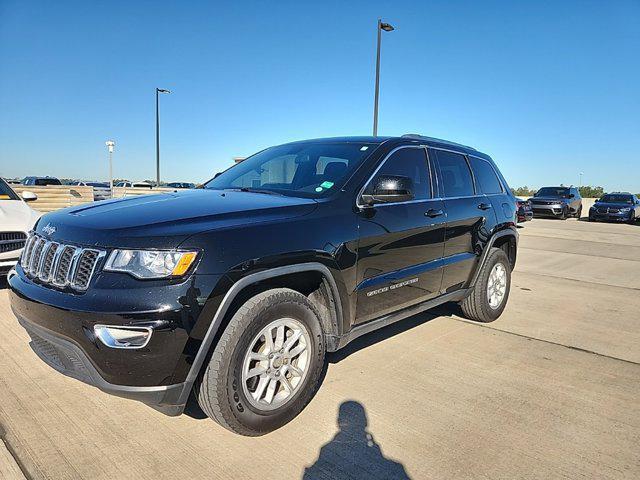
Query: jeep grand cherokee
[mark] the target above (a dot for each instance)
(237, 290)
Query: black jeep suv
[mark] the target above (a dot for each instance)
(237, 290)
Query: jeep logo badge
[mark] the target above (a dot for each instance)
(49, 229)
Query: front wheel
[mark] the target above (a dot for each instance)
(489, 297)
(565, 213)
(579, 213)
(267, 364)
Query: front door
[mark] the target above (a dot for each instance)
(400, 244)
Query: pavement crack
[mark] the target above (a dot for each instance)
(549, 342)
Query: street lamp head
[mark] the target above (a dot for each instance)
(110, 144)
(387, 27)
(162, 90)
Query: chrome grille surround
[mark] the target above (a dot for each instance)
(59, 265)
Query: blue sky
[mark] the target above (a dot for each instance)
(548, 89)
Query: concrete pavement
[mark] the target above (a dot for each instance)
(550, 390)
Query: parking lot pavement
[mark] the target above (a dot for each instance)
(550, 390)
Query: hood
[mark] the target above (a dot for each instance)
(612, 205)
(17, 216)
(549, 199)
(166, 220)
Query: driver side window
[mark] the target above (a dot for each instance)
(406, 162)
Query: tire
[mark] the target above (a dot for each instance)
(221, 391)
(477, 306)
(564, 214)
(632, 218)
(579, 213)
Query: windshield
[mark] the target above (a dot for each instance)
(6, 193)
(310, 170)
(561, 192)
(617, 199)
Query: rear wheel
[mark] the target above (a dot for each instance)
(491, 292)
(579, 212)
(267, 364)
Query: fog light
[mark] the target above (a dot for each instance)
(123, 337)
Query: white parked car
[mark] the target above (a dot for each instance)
(16, 219)
(134, 185)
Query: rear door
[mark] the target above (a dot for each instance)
(470, 217)
(401, 244)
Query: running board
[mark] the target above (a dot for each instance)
(381, 322)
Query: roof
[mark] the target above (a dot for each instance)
(408, 138)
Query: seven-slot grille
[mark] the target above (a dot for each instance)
(58, 264)
(10, 241)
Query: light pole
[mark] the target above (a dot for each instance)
(580, 183)
(110, 144)
(387, 28)
(158, 91)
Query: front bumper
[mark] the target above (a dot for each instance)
(610, 217)
(69, 359)
(8, 260)
(61, 323)
(7, 264)
(554, 210)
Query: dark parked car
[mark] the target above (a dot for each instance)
(616, 207)
(181, 185)
(560, 202)
(101, 190)
(237, 290)
(524, 210)
(41, 181)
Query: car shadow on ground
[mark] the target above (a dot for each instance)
(353, 452)
(448, 309)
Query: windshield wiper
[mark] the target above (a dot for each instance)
(255, 190)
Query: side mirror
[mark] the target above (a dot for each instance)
(390, 189)
(571, 195)
(28, 196)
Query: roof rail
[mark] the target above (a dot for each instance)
(416, 136)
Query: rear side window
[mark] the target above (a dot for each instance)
(456, 176)
(485, 176)
(407, 162)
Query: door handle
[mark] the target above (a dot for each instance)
(484, 206)
(433, 213)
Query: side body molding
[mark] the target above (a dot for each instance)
(228, 299)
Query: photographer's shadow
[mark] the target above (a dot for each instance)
(353, 452)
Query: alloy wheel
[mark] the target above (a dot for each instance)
(497, 285)
(276, 364)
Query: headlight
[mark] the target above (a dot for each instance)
(150, 263)
(625, 209)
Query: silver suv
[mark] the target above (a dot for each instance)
(561, 202)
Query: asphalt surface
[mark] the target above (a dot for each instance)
(550, 390)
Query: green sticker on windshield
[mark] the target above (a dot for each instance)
(326, 184)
